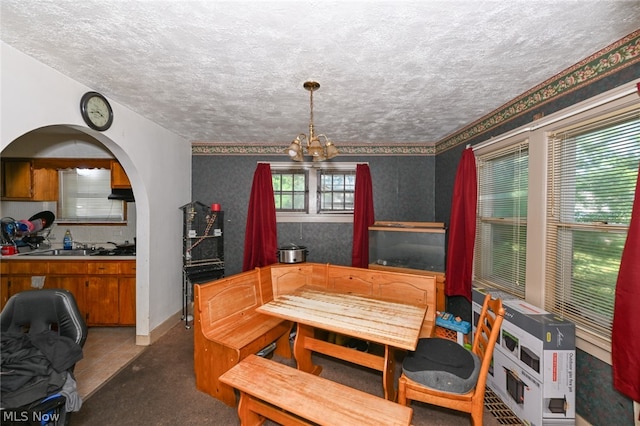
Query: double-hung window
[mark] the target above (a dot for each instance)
(501, 228)
(314, 192)
(592, 171)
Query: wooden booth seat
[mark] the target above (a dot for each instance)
(292, 397)
(228, 329)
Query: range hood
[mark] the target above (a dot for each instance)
(122, 194)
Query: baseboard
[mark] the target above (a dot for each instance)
(160, 330)
(580, 421)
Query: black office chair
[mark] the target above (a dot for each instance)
(46, 328)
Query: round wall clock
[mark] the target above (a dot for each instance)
(96, 111)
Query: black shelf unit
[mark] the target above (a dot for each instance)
(202, 250)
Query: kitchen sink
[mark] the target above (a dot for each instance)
(60, 252)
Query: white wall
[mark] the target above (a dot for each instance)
(158, 163)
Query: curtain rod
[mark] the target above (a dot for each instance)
(311, 163)
(552, 120)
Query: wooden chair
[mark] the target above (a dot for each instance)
(470, 401)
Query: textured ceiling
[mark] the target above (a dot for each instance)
(390, 71)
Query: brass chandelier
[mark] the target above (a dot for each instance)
(313, 147)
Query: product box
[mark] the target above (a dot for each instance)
(536, 348)
(534, 402)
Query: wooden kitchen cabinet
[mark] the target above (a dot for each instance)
(73, 283)
(119, 178)
(4, 283)
(21, 181)
(45, 185)
(64, 268)
(104, 268)
(17, 179)
(127, 290)
(105, 290)
(101, 299)
(17, 278)
(11, 286)
(127, 300)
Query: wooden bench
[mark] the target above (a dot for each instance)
(228, 329)
(292, 397)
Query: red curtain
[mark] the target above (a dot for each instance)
(261, 235)
(462, 228)
(625, 339)
(363, 216)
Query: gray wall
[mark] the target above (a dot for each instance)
(403, 190)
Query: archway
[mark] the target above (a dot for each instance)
(74, 143)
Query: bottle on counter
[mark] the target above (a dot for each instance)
(67, 241)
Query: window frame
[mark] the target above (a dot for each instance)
(610, 102)
(283, 194)
(566, 290)
(312, 184)
(336, 192)
(488, 224)
(77, 220)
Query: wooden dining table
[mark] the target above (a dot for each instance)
(391, 324)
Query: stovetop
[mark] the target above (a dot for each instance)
(129, 251)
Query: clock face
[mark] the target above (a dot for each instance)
(96, 111)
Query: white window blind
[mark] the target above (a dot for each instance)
(83, 197)
(592, 174)
(501, 230)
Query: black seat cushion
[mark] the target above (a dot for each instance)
(442, 364)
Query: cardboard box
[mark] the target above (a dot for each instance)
(533, 362)
(533, 402)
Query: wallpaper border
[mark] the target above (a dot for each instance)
(621, 54)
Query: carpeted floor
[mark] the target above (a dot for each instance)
(158, 388)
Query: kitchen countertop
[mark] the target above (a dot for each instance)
(49, 257)
(32, 256)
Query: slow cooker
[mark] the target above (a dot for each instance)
(292, 253)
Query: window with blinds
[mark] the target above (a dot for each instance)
(501, 230)
(592, 174)
(83, 197)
